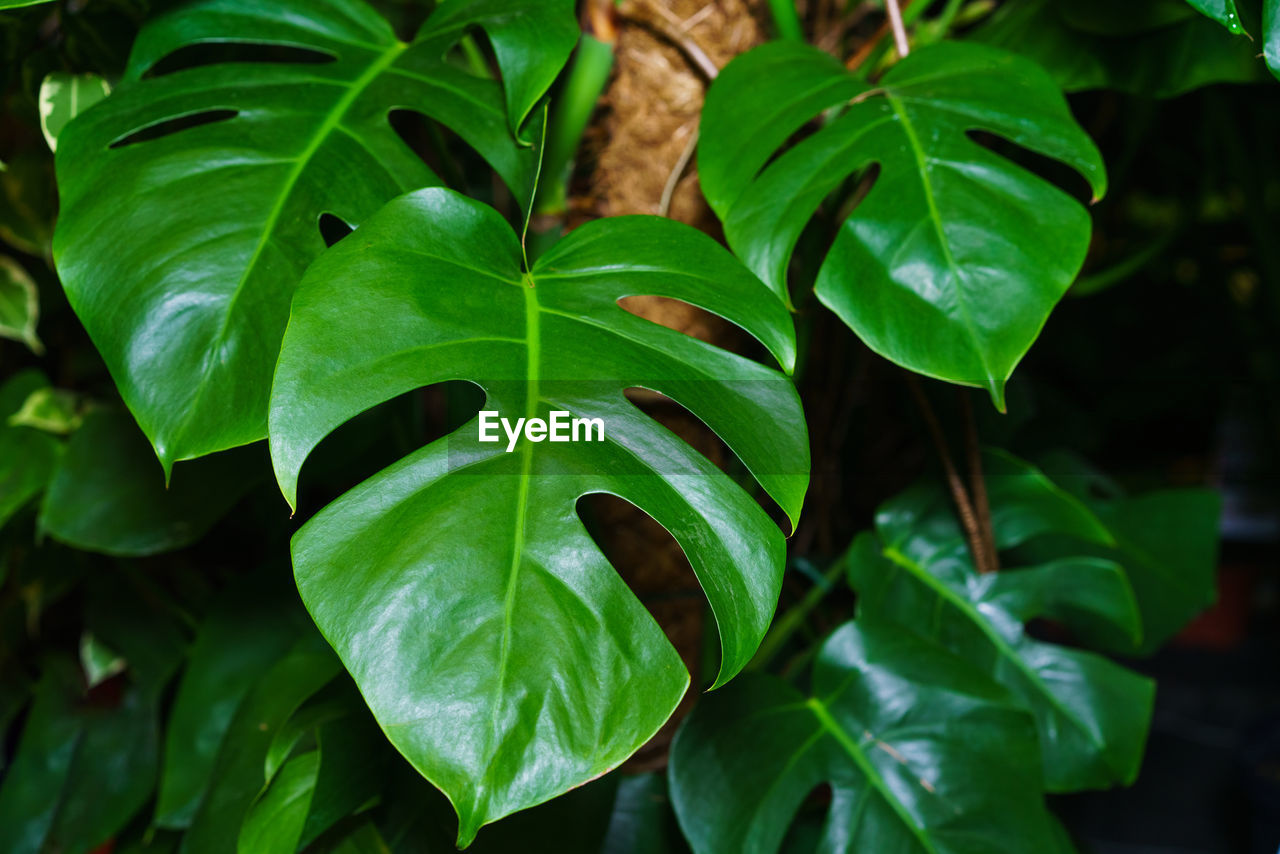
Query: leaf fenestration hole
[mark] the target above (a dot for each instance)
(1042, 166)
(332, 228)
(445, 153)
(473, 53)
(381, 435)
(695, 432)
(168, 127)
(650, 561)
(221, 53)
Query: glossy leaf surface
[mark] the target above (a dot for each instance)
(1092, 714)
(924, 755)
(952, 262)
(1222, 11)
(497, 647)
(215, 177)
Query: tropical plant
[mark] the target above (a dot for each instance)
(241, 236)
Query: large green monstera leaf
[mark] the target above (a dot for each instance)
(1092, 714)
(952, 262)
(496, 646)
(923, 752)
(187, 293)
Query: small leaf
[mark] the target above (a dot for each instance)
(63, 96)
(924, 755)
(952, 262)
(108, 493)
(19, 305)
(51, 410)
(99, 661)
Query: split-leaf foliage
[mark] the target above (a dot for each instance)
(296, 220)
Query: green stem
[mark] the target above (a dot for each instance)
(786, 20)
(948, 15)
(582, 89)
(475, 59)
(794, 618)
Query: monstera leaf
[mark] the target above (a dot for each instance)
(1092, 714)
(1142, 49)
(923, 752)
(187, 294)
(1222, 11)
(496, 646)
(1226, 13)
(1167, 542)
(952, 262)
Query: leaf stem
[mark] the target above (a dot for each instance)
(786, 20)
(968, 518)
(978, 483)
(794, 618)
(583, 86)
(677, 172)
(533, 196)
(899, 29)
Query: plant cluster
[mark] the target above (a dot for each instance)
(302, 248)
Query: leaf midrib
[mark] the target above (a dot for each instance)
(331, 122)
(533, 342)
(859, 757)
(997, 640)
(935, 216)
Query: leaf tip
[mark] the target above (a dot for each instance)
(995, 388)
(468, 826)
